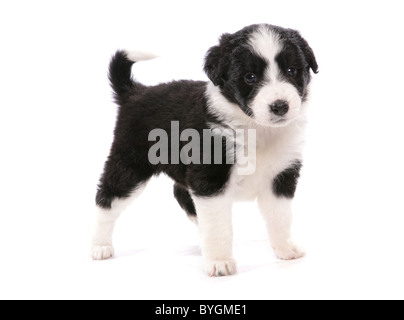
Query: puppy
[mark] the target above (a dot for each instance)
(259, 84)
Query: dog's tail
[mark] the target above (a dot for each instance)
(120, 69)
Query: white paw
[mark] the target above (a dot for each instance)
(288, 251)
(102, 252)
(221, 268)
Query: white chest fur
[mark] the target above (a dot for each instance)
(276, 149)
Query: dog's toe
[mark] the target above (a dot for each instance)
(289, 252)
(221, 268)
(102, 252)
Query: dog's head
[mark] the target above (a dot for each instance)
(265, 70)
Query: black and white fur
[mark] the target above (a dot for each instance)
(259, 79)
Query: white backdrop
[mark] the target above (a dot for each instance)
(56, 122)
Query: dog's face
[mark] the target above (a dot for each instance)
(265, 70)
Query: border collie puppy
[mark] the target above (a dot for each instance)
(259, 80)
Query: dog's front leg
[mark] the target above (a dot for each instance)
(275, 204)
(277, 213)
(216, 230)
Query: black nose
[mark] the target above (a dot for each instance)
(280, 107)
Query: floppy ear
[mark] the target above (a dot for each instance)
(307, 51)
(216, 63)
(310, 57)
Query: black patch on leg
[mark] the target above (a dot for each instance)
(184, 199)
(120, 179)
(285, 183)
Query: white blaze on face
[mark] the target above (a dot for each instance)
(268, 45)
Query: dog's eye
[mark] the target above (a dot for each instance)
(292, 72)
(250, 78)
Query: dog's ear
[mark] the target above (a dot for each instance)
(307, 51)
(310, 57)
(216, 61)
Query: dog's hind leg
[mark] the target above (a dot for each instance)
(187, 204)
(118, 187)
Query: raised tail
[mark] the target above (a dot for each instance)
(120, 69)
